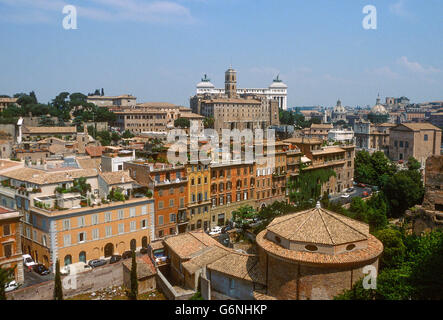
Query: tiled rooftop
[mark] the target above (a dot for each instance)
(319, 226)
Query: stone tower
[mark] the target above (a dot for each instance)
(231, 82)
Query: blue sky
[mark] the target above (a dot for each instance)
(159, 50)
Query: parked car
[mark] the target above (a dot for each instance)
(345, 196)
(215, 231)
(226, 229)
(159, 255)
(362, 185)
(350, 190)
(75, 268)
(97, 263)
(28, 261)
(365, 193)
(144, 250)
(11, 286)
(115, 258)
(127, 255)
(40, 269)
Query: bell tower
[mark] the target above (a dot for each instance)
(231, 82)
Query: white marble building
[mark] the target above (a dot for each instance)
(278, 90)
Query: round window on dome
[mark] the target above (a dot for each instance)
(311, 247)
(350, 247)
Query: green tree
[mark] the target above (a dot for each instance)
(394, 249)
(182, 123)
(6, 276)
(58, 290)
(127, 134)
(208, 123)
(403, 190)
(115, 137)
(413, 164)
(81, 186)
(242, 216)
(134, 281)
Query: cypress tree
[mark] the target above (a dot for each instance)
(134, 282)
(58, 290)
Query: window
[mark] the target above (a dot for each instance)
(28, 233)
(6, 230)
(44, 241)
(108, 216)
(95, 219)
(144, 224)
(133, 225)
(34, 235)
(426, 137)
(311, 247)
(81, 237)
(160, 220)
(121, 228)
(67, 240)
(401, 144)
(95, 234)
(172, 217)
(171, 203)
(132, 212)
(66, 224)
(108, 231)
(144, 210)
(121, 214)
(350, 247)
(7, 249)
(171, 191)
(80, 222)
(160, 193)
(160, 204)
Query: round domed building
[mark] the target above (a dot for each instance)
(338, 113)
(315, 254)
(378, 113)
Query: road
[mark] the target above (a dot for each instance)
(358, 192)
(32, 278)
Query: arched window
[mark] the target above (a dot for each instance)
(68, 260)
(145, 242)
(82, 257)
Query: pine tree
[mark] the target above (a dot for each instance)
(134, 282)
(58, 290)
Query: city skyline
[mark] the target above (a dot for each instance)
(159, 51)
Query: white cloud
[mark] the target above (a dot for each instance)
(105, 10)
(416, 67)
(398, 8)
(384, 72)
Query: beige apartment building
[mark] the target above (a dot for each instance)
(137, 121)
(125, 100)
(418, 140)
(61, 223)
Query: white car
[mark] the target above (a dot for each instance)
(11, 286)
(345, 196)
(75, 268)
(28, 261)
(215, 231)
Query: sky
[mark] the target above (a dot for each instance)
(159, 50)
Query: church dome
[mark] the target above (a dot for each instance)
(339, 108)
(378, 109)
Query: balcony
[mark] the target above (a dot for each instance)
(168, 182)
